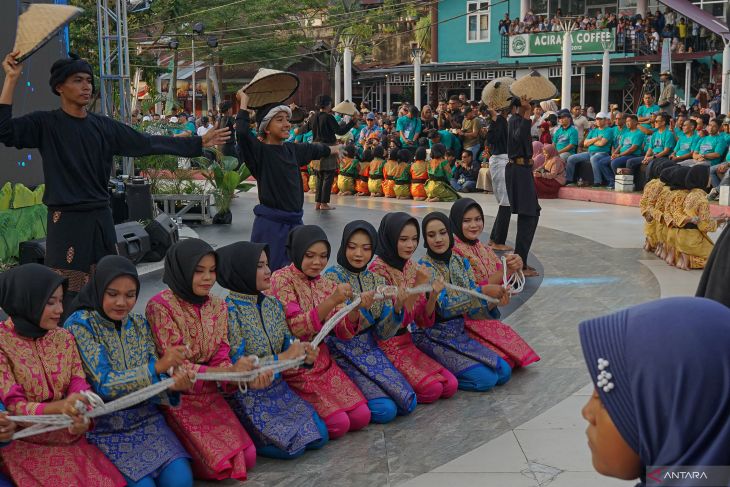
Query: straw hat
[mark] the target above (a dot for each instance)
(38, 24)
(496, 94)
(270, 86)
(534, 87)
(345, 108)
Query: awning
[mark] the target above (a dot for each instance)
(704, 18)
(186, 72)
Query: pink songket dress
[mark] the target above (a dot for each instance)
(206, 425)
(34, 372)
(324, 385)
(493, 334)
(418, 368)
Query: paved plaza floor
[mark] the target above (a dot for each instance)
(528, 432)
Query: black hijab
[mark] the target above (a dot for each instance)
(301, 238)
(666, 173)
(24, 292)
(456, 215)
(180, 263)
(697, 177)
(350, 229)
(109, 268)
(389, 232)
(714, 283)
(437, 215)
(677, 177)
(238, 265)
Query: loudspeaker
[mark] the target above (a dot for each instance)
(33, 251)
(163, 233)
(133, 241)
(118, 201)
(139, 199)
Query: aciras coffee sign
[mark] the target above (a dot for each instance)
(551, 43)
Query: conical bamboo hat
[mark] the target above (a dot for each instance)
(496, 94)
(270, 86)
(38, 24)
(346, 108)
(534, 87)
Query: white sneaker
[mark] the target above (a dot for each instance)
(714, 195)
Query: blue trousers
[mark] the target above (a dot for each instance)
(467, 187)
(601, 164)
(715, 177)
(271, 451)
(623, 161)
(481, 378)
(176, 474)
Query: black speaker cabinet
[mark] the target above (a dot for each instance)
(33, 251)
(139, 199)
(163, 233)
(133, 241)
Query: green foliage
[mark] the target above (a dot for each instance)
(227, 179)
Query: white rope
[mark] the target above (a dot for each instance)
(514, 283)
(471, 292)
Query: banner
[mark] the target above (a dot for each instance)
(551, 43)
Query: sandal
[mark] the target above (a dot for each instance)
(501, 247)
(528, 271)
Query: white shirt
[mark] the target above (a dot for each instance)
(581, 125)
(204, 130)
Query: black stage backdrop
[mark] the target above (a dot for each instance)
(32, 93)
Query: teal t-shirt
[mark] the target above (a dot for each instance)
(710, 144)
(685, 144)
(607, 133)
(410, 127)
(629, 138)
(678, 132)
(617, 133)
(449, 140)
(661, 141)
(645, 111)
(565, 137)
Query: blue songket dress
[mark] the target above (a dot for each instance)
(360, 357)
(118, 361)
(281, 424)
(474, 365)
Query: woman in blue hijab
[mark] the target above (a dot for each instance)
(662, 395)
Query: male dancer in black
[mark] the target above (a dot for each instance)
(78, 149)
(520, 182)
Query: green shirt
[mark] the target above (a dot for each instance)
(606, 133)
(710, 144)
(410, 128)
(645, 111)
(685, 145)
(565, 137)
(617, 133)
(449, 140)
(632, 137)
(660, 141)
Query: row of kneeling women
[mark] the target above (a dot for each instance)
(379, 362)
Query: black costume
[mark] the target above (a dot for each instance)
(521, 184)
(324, 130)
(77, 162)
(280, 189)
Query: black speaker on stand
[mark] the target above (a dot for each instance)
(133, 241)
(163, 234)
(139, 199)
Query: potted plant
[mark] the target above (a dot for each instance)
(227, 179)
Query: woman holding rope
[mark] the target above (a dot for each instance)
(282, 424)
(398, 237)
(467, 222)
(309, 301)
(387, 391)
(475, 366)
(119, 357)
(41, 374)
(187, 315)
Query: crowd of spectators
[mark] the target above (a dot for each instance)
(633, 32)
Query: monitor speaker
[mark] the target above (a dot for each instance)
(133, 241)
(139, 199)
(163, 233)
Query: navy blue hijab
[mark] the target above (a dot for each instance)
(670, 370)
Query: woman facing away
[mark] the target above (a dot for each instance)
(476, 367)
(187, 315)
(119, 357)
(282, 424)
(398, 238)
(309, 301)
(41, 373)
(387, 391)
(656, 409)
(439, 171)
(467, 221)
